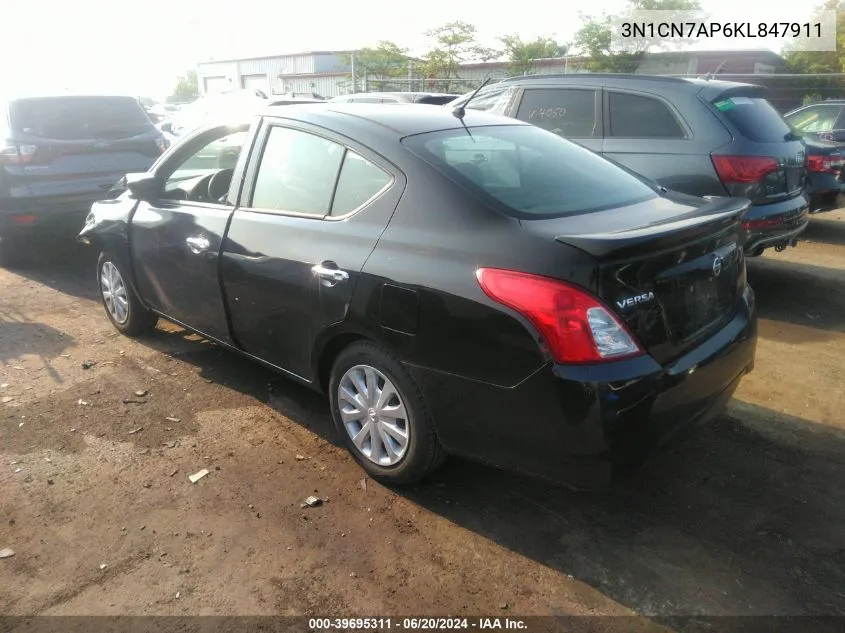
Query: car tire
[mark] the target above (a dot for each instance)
(422, 452)
(123, 307)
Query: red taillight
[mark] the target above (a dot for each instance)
(23, 219)
(13, 154)
(756, 225)
(744, 169)
(575, 325)
(831, 164)
(162, 144)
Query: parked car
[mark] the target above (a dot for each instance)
(430, 98)
(822, 126)
(214, 106)
(220, 106)
(60, 153)
(491, 291)
(700, 137)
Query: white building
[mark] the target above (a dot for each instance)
(321, 72)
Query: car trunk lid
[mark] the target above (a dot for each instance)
(673, 271)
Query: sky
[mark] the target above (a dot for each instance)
(140, 48)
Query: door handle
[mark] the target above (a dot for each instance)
(198, 244)
(330, 274)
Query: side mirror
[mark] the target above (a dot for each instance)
(167, 126)
(143, 186)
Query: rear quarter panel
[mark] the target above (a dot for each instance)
(437, 239)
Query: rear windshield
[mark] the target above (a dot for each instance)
(75, 118)
(754, 118)
(532, 173)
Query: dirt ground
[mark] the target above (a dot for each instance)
(743, 518)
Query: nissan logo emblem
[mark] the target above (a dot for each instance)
(717, 266)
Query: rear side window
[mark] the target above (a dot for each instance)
(636, 116)
(75, 118)
(567, 112)
(359, 181)
(297, 172)
(528, 172)
(754, 118)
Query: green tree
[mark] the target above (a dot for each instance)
(451, 45)
(822, 61)
(594, 38)
(186, 89)
(810, 62)
(522, 55)
(386, 61)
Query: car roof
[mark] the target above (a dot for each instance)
(712, 86)
(347, 118)
(410, 95)
(35, 94)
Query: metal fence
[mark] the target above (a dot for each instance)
(786, 91)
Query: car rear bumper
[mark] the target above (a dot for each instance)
(583, 426)
(826, 193)
(35, 217)
(775, 223)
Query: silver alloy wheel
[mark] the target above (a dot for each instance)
(114, 293)
(373, 414)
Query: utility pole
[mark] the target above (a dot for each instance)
(352, 65)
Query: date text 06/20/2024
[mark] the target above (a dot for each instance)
(415, 624)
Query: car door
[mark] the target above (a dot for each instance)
(571, 112)
(313, 208)
(176, 238)
(648, 134)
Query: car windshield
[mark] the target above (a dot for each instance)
(530, 172)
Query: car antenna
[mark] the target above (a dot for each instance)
(713, 73)
(460, 110)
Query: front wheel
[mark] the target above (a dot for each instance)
(379, 411)
(123, 307)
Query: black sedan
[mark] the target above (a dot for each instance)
(457, 283)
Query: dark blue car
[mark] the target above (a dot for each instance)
(58, 155)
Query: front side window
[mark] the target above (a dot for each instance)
(636, 116)
(214, 153)
(221, 152)
(567, 112)
(297, 172)
(528, 172)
